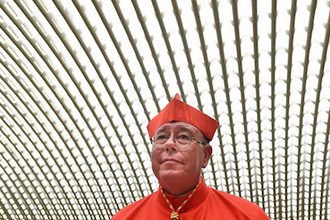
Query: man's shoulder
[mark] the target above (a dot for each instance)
(239, 204)
(131, 210)
(231, 197)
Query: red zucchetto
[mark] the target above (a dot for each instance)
(176, 110)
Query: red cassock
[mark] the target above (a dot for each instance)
(207, 203)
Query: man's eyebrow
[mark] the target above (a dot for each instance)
(162, 129)
(183, 128)
(192, 131)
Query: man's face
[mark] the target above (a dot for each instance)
(171, 164)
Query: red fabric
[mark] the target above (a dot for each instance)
(176, 110)
(207, 203)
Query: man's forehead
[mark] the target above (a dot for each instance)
(177, 126)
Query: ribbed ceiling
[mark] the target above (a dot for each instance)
(80, 80)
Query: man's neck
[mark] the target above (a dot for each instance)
(179, 193)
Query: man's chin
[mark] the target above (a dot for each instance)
(170, 175)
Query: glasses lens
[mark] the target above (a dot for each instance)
(161, 139)
(180, 141)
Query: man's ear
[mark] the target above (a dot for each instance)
(207, 154)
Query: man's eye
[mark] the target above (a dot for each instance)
(162, 137)
(183, 137)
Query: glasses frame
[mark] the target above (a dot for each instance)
(153, 142)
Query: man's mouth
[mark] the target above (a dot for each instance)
(170, 160)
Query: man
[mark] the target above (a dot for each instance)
(180, 135)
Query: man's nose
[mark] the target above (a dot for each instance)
(170, 144)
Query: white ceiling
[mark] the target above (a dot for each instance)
(80, 80)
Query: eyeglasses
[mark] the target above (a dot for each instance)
(181, 141)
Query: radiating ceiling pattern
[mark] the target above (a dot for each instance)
(80, 80)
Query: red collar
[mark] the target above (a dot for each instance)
(199, 196)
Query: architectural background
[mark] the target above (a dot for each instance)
(80, 80)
